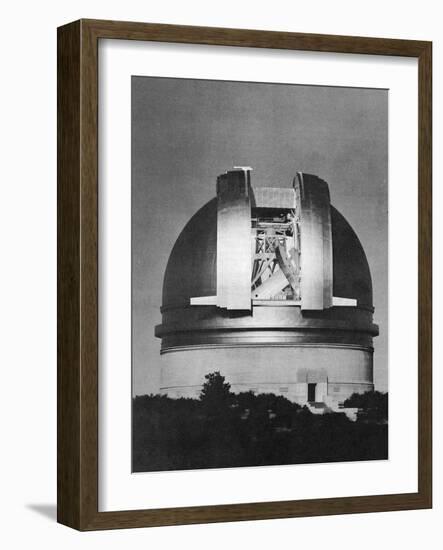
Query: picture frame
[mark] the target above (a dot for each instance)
(78, 243)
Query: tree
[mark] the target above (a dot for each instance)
(373, 406)
(216, 396)
(215, 389)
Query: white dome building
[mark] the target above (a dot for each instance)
(271, 287)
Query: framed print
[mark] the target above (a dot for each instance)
(244, 275)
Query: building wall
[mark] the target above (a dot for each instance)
(337, 371)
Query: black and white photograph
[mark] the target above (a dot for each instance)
(259, 274)
(220, 286)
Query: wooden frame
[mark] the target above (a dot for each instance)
(77, 275)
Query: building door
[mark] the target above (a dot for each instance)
(311, 392)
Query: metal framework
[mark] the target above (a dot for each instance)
(276, 258)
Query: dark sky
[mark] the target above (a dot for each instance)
(186, 132)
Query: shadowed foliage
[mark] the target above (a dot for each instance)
(222, 429)
(373, 406)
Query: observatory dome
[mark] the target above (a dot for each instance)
(192, 266)
(271, 287)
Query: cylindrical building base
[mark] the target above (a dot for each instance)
(302, 374)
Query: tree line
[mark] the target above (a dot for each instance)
(221, 429)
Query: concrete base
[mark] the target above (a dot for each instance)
(301, 374)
